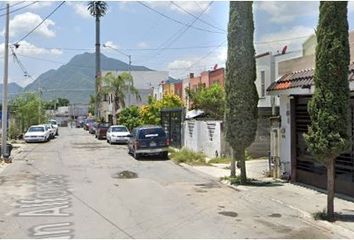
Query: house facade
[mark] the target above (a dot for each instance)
(295, 90)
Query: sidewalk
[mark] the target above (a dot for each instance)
(304, 199)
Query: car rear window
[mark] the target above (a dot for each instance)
(36, 129)
(151, 133)
(104, 125)
(119, 129)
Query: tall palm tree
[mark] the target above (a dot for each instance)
(118, 86)
(97, 9)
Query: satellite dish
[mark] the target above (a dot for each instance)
(284, 50)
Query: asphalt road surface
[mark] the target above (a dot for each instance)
(76, 186)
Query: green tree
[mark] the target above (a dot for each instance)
(97, 9)
(328, 135)
(130, 117)
(151, 113)
(211, 100)
(241, 93)
(118, 86)
(92, 105)
(27, 110)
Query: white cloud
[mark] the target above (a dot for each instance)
(177, 64)
(143, 45)
(293, 38)
(351, 6)
(180, 68)
(24, 23)
(80, 9)
(30, 49)
(110, 44)
(287, 11)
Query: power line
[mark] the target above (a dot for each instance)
(179, 34)
(177, 21)
(188, 27)
(13, 5)
(18, 9)
(50, 14)
(201, 20)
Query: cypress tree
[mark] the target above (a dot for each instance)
(241, 93)
(328, 135)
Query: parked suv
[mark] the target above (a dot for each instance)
(148, 140)
(101, 130)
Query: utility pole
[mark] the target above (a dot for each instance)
(98, 65)
(130, 67)
(4, 150)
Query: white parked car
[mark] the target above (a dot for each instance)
(117, 134)
(55, 126)
(37, 133)
(51, 129)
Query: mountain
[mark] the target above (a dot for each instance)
(76, 79)
(14, 90)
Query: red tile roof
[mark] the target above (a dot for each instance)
(300, 79)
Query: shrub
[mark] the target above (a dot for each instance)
(189, 157)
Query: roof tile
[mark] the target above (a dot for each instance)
(301, 79)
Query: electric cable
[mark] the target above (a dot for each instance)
(50, 14)
(175, 20)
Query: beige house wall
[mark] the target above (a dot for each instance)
(308, 61)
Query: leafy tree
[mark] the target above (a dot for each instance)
(55, 103)
(241, 94)
(97, 9)
(151, 113)
(28, 111)
(130, 117)
(328, 135)
(118, 86)
(92, 105)
(211, 100)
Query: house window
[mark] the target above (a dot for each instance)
(262, 83)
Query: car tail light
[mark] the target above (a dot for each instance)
(167, 141)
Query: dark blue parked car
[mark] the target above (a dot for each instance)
(148, 140)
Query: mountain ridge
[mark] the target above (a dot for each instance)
(75, 80)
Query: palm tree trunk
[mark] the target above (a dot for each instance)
(98, 64)
(114, 110)
(330, 189)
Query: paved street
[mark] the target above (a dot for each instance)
(73, 186)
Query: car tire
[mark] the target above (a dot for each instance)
(164, 155)
(136, 155)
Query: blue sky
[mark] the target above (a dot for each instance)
(147, 36)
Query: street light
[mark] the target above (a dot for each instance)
(130, 64)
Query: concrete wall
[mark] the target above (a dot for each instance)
(285, 133)
(264, 64)
(203, 136)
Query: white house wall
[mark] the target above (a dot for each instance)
(266, 64)
(203, 136)
(285, 133)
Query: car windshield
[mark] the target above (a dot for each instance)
(151, 133)
(53, 122)
(36, 129)
(119, 129)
